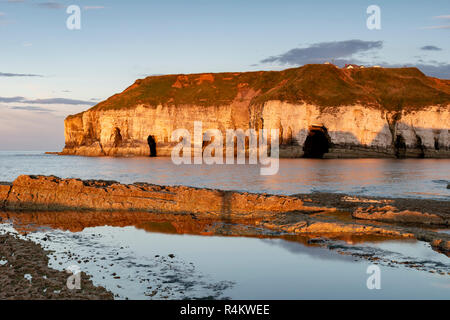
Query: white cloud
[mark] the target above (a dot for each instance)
(93, 7)
(436, 27)
(442, 17)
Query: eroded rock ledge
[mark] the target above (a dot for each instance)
(331, 216)
(52, 193)
(392, 214)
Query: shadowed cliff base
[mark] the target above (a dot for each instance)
(315, 142)
(261, 213)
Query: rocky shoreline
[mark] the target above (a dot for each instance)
(316, 219)
(325, 215)
(26, 278)
(54, 194)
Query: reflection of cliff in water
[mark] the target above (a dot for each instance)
(77, 221)
(25, 222)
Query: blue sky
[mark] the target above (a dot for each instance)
(48, 71)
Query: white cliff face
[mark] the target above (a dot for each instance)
(432, 125)
(353, 125)
(352, 130)
(97, 128)
(359, 125)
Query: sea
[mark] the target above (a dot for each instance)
(135, 262)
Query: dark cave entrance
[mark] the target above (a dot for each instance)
(152, 144)
(317, 143)
(400, 147)
(436, 144)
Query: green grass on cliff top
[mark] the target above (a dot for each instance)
(323, 85)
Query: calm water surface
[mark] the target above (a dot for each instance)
(236, 267)
(413, 178)
(135, 263)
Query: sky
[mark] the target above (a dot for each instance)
(48, 71)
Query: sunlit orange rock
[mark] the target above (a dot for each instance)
(392, 214)
(52, 193)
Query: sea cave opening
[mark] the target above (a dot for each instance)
(152, 145)
(317, 143)
(436, 144)
(400, 146)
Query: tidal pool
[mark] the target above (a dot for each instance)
(137, 264)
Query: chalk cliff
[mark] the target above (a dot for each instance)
(320, 111)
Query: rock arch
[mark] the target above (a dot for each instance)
(152, 145)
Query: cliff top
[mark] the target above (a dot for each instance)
(323, 85)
